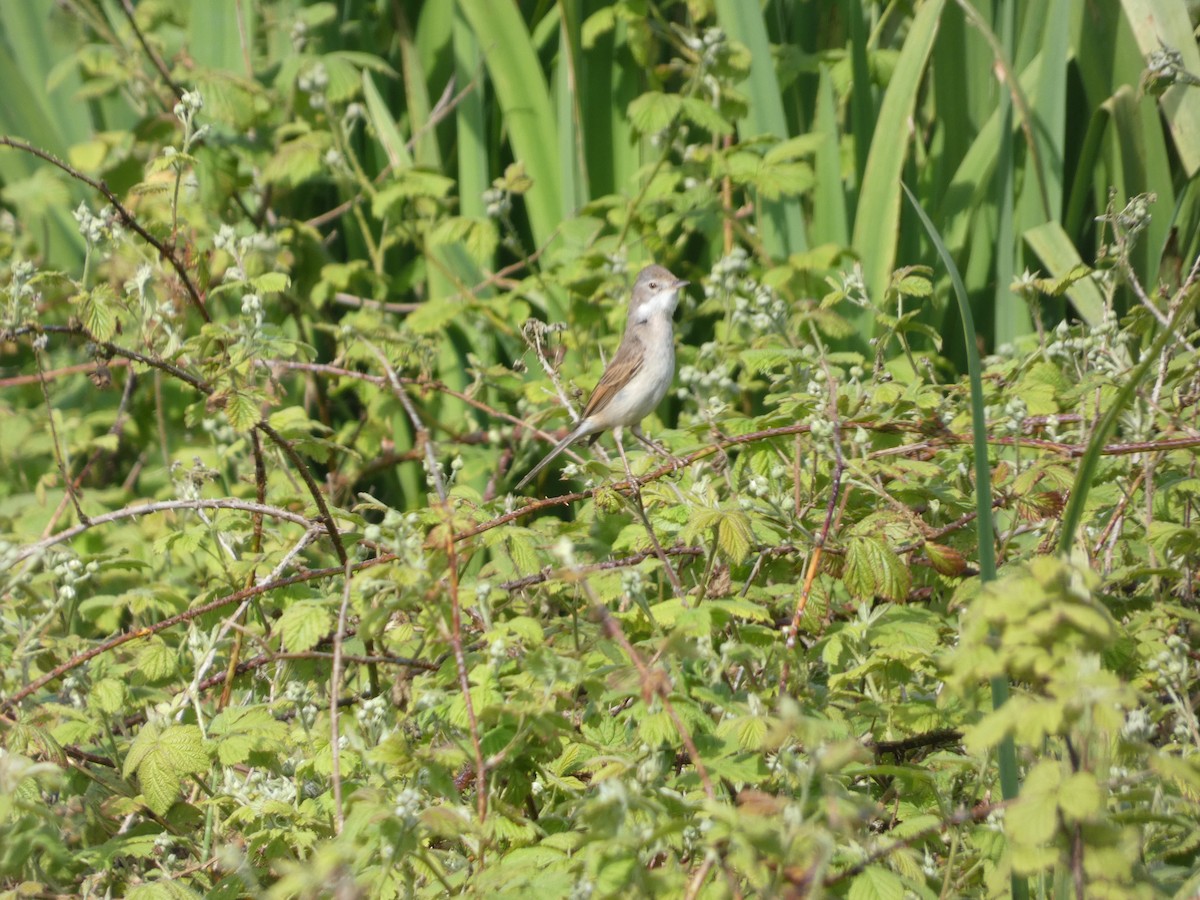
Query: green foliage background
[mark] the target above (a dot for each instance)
(291, 294)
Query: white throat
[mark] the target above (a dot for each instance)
(660, 304)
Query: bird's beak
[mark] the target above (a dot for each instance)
(680, 283)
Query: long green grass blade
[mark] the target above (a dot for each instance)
(829, 225)
(607, 86)
(524, 99)
(1009, 318)
(470, 129)
(1156, 23)
(384, 125)
(416, 96)
(48, 117)
(877, 219)
(572, 163)
(1010, 784)
(1090, 461)
(216, 39)
(782, 223)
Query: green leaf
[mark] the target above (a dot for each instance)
(1080, 797)
(304, 624)
(99, 313)
(433, 315)
(271, 283)
(299, 160)
(409, 184)
(156, 661)
(877, 219)
(183, 747)
(654, 111)
(384, 125)
(160, 782)
(876, 883)
(243, 410)
(734, 536)
(161, 758)
(107, 696)
(242, 731)
(873, 570)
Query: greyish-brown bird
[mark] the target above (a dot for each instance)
(640, 374)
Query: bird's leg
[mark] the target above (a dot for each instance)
(624, 459)
(635, 491)
(657, 448)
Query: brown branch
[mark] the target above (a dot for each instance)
(835, 487)
(127, 217)
(654, 684)
(976, 813)
(155, 59)
(112, 349)
(313, 488)
(144, 509)
(460, 664)
(938, 738)
(55, 374)
(335, 689)
(171, 621)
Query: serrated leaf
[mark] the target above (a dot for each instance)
(783, 179)
(1080, 797)
(701, 113)
(763, 360)
(160, 783)
(408, 184)
(734, 536)
(239, 732)
(99, 312)
(741, 608)
(1056, 287)
(156, 661)
(107, 696)
(657, 729)
(242, 410)
(653, 111)
(945, 560)
(304, 624)
(298, 160)
(914, 286)
(747, 731)
(271, 283)
(876, 883)
(183, 746)
(528, 629)
(161, 757)
(873, 570)
(433, 315)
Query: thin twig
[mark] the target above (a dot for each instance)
(460, 664)
(159, 506)
(335, 691)
(635, 494)
(155, 59)
(68, 482)
(127, 217)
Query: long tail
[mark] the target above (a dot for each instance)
(562, 445)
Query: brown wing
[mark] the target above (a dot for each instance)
(623, 367)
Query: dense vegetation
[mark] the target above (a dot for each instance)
(292, 294)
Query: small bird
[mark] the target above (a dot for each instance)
(640, 374)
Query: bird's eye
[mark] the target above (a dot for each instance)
(654, 285)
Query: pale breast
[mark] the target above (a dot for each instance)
(653, 379)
